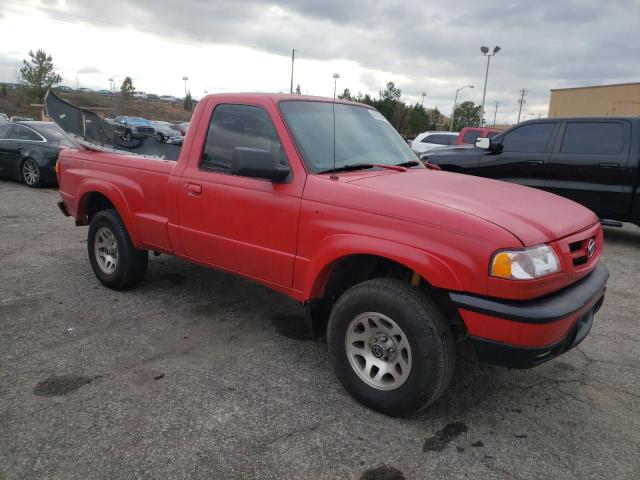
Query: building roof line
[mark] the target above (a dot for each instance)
(596, 86)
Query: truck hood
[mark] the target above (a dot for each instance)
(533, 216)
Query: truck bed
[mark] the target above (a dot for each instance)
(144, 202)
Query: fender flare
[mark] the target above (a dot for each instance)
(337, 247)
(115, 196)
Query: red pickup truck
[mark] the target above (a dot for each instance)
(323, 201)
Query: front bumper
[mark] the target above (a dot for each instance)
(523, 334)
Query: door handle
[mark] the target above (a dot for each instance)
(19, 147)
(537, 163)
(194, 188)
(609, 165)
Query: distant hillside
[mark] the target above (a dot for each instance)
(13, 104)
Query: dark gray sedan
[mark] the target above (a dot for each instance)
(29, 151)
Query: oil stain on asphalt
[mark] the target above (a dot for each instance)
(443, 437)
(382, 473)
(63, 385)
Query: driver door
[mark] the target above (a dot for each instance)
(525, 151)
(242, 224)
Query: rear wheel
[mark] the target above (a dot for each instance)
(114, 259)
(31, 175)
(391, 346)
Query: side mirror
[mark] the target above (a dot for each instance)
(483, 142)
(258, 163)
(487, 144)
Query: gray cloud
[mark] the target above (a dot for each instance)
(546, 44)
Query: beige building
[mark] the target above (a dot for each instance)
(621, 100)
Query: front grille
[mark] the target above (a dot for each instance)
(145, 129)
(579, 251)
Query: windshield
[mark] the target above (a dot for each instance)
(137, 121)
(363, 135)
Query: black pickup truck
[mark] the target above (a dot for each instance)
(591, 160)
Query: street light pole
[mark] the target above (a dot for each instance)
(335, 83)
(455, 102)
(293, 59)
(185, 78)
(485, 52)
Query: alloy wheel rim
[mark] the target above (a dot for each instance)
(378, 351)
(30, 172)
(105, 249)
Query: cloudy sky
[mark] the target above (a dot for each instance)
(243, 45)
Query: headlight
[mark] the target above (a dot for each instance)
(527, 264)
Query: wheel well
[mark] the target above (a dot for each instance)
(93, 203)
(355, 269)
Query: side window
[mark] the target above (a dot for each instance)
(20, 133)
(452, 139)
(4, 130)
(439, 139)
(34, 136)
(593, 137)
(529, 138)
(471, 136)
(234, 126)
(429, 139)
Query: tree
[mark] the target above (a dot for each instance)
(3, 89)
(466, 114)
(188, 102)
(391, 93)
(38, 74)
(435, 120)
(418, 120)
(391, 106)
(127, 88)
(345, 95)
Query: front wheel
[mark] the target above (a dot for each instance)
(391, 346)
(31, 175)
(114, 259)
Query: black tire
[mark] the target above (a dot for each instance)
(131, 264)
(432, 347)
(159, 137)
(30, 173)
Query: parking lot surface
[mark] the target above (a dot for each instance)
(199, 374)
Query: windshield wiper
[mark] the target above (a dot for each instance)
(348, 168)
(408, 164)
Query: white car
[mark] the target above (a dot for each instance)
(432, 140)
(4, 118)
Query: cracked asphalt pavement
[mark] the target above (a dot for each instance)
(199, 374)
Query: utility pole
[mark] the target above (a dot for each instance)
(293, 59)
(424, 94)
(495, 113)
(523, 93)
